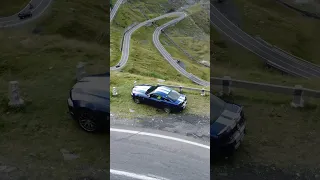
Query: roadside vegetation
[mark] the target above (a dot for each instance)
(8, 8)
(146, 63)
(43, 58)
(122, 104)
(282, 27)
(278, 135)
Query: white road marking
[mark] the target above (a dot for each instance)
(136, 176)
(160, 136)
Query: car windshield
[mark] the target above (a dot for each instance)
(217, 106)
(173, 95)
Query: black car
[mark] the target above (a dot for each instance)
(24, 15)
(227, 126)
(89, 102)
(159, 96)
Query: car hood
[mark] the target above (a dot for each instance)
(180, 99)
(141, 88)
(227, 119)
(95, 85)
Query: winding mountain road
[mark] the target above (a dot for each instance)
(271, 55)
(126, 46)
(168, 57)
(39, 7)
(114, 10)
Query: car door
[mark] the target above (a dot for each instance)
(153, 99)
(166, 103)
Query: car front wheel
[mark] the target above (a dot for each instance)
(167, 110)
(136, 100)
(87, 121)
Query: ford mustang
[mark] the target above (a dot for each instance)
(227, 126)
(89, 102)
(159, 96)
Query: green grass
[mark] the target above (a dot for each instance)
(44, 64)
(282, 27)
(144, 58)
(123, 102)
(8, 8)
(277, 134)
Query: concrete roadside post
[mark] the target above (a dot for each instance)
(81, 72)
(203, 93)
(114, 91)
(180, 89)
(14, 95)
(134, 83)
(226, 85)
(298, 100)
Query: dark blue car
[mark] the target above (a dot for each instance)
(159, 96)
(227, 126)
(89, 102)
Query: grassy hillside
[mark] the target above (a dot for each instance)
(144, 58)
(277, 134)
(8, 8)
(282, 27)
(145, 62)
(42, 56)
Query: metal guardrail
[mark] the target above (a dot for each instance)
(297, 91)
(187, 88)
(226, 83)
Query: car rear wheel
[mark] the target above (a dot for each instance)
(87, 121)
(136, 100)
(167, 110)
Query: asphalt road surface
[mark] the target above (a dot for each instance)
(268, 53)
(157, 157)
(114, 10)
(39, 7)
(168, 57)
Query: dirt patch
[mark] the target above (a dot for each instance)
(188, 125)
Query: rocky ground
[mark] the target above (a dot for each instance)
(189, 125)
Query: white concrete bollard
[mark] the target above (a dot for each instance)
(298, 100)
(14, 95)
(226, 85)
(134, 83)
(203, 93)
(114, 91)
(81, 72)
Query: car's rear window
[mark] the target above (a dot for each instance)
(152, 88)
(173, 95)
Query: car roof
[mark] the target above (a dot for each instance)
(162, 91)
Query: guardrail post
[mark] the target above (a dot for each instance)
(14, 95)
(226, 85)
(298, 100)
(180, 89)
(134, 83)
(203, 93)
(114, 91)
(80, 71)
